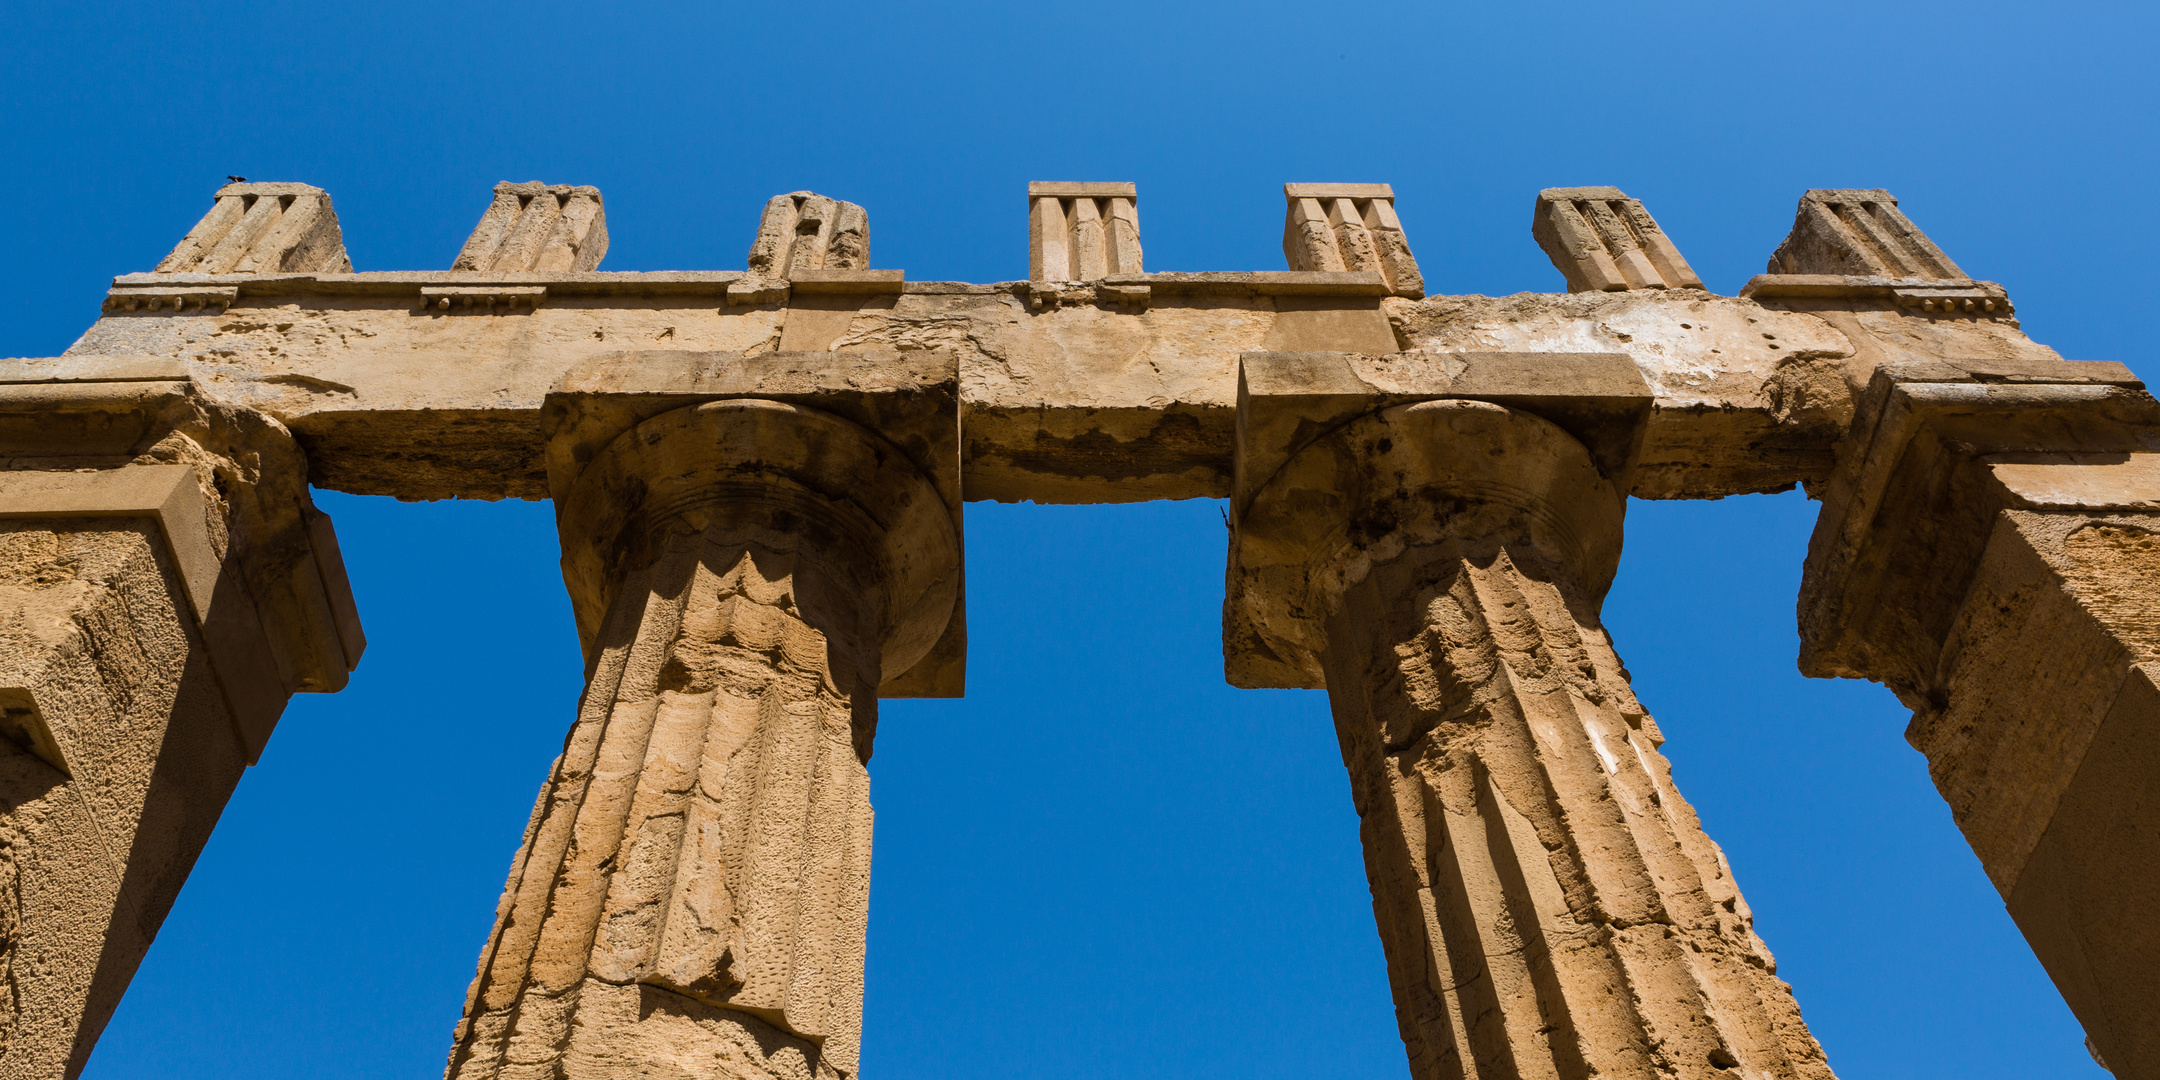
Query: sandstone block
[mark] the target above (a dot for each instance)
(1989, 549)
(165, 586)
(1859, 233)
(263, 229)
(536, 226)
(1333, 228)
(1082, 231)
(803, 230)
(1603, 241)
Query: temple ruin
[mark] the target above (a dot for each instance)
(758, 478)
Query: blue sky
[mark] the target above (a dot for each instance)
(1104, 861)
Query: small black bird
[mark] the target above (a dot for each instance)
(237, 179)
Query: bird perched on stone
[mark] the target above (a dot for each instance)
(237, 179)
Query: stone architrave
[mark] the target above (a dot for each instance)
(1548, 903)
(165, 586)
(1989, 549)
(752, 549)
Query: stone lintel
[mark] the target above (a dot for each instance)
(909, 399)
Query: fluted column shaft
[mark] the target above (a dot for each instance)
(692, 894)
(1548, 903)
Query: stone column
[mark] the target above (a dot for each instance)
(1548, 903)
(692, 895)
(1989, 549)
(165, 586)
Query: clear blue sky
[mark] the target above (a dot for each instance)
(1103, 862)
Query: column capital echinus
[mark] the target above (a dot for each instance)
(854, 455)
(1343, 461)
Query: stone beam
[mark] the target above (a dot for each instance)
(165, 586)
(428, 384)
(1989, 548)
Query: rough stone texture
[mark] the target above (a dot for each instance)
(1603, 241)
(1425, 495)
(1987, 549)
(1548, 902)
(1859, 233)
(803, 230)
(1079, 401)
(1082, 231)
(165, 585)
(692, 895)
(263, 229)
(536, 226)
(1349, 227)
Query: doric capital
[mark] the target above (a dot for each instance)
(1937, 450)
(134, 437)
(1346, 461)
(849, 458)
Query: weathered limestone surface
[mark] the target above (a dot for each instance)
(1547, 901)
(692, 895)
(1989, 548)
(263, 229)
(1859, 233)
(759, 475)
(1082, 231)
(1603, 241)
(1081, 401)
(1349, 227)
(1120, 389)
(165, 585)
(536, 226)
